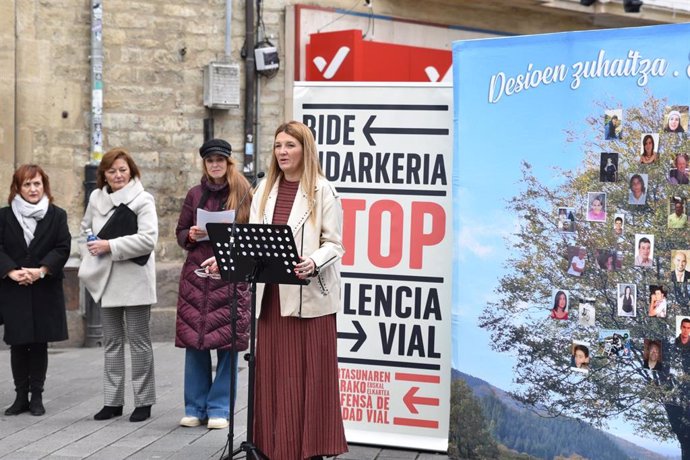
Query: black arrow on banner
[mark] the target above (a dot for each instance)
(360, 336)
(368, 130)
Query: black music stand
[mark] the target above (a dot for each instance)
(252, 253)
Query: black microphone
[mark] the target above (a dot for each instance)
(258, 176)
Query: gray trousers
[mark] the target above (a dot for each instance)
(135, 320)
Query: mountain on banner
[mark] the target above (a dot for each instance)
(521, 430)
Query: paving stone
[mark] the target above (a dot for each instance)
(74, 394)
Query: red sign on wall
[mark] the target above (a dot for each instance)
(345, 56)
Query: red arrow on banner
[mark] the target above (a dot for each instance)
(410, 400)
(415, 422)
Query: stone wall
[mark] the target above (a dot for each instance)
(7, 77)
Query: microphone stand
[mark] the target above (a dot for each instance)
(248, 446)
(234, 354)
(255, 263)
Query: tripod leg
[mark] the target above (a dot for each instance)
(247, 447)
(254, 452)
(234, 356)
(249, 450)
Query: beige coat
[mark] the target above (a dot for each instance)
(319, 238)
(112, 278)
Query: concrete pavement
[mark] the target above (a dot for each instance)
(74, 393)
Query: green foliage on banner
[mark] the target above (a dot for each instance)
(656, 403)
(469, 433)
(525, 431)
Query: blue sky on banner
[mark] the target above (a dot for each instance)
(500, 121)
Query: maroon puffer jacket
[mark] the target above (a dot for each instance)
(204, 304)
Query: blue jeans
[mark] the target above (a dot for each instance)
(204, 396)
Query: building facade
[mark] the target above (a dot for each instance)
(154, 53)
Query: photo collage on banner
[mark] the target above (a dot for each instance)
(573, 194)
(660, 155)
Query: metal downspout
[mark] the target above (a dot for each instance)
(15, 143)
(249, 91)
(92, 310)
(228, 29)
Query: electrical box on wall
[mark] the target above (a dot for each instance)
(266, 58)
(222, 85)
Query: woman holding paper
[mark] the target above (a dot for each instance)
(118, 273)
(204, 303)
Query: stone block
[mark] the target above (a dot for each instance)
(116, 37)
(187, 142)
(164, 312)
(273, 17)
(72, 137)
(76, 328)
(170, 9)
(126, 18)
(169, 250)
(150, 139)
(121, 121)
(33, 61)
(167, 279)
(70, 286)
(163, 324)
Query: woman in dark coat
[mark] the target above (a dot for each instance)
(203, 312)
(34, 247)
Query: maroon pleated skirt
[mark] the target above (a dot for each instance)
(297, 406)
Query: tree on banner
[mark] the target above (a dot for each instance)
(469, 435)
(618, 382)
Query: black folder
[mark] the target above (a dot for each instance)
(123, 222)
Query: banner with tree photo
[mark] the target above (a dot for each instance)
(571, 203)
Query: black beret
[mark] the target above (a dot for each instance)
(215, 146)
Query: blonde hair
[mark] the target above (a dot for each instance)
(311, 169)
(648, 348)
(238, 186)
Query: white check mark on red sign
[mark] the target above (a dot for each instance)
(332, 68)
(433, 75)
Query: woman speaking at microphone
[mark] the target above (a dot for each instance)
(297, 404)
(203, 306)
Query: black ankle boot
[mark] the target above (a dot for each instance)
(20, 404)
(140, 414)
(108, 412)
(36, 404)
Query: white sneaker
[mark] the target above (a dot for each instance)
(217, 423)
(190, 421)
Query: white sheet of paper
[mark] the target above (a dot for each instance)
(204, 217)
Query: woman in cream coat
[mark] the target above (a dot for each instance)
(297, 405)
(125, 289)
(297, 402)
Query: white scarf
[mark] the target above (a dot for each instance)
(28, 215)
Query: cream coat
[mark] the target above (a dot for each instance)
(319, 238)
(113, 278)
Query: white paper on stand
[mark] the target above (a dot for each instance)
(204, 217)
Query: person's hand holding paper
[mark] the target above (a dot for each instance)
(204, 217)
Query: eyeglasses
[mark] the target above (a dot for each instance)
(203, 273)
